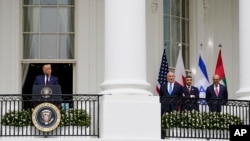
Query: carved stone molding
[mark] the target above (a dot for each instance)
(154, 6)
(205, 7)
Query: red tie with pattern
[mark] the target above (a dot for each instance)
(216, 90)
(189, 89)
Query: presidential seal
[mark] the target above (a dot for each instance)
(46, 92)
(46, 117)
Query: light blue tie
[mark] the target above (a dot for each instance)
(170, 89)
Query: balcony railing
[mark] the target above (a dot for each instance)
(202, 118)
(79, 115)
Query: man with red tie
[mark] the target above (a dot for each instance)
(191, 95)
(46, 78)
(216, 95)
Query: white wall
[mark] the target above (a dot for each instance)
(10, 72)
(154, 40)
(89, 46)
(218, 23)
(212, 22)
(221, 27)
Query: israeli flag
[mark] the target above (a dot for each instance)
(201, 79)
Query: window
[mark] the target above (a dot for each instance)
(48, 36)
(48, 29)
(176, 30)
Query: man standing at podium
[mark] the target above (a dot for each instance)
(47, 78)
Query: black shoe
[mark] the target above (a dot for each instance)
(163, 134)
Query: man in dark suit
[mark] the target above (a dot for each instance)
(47, 78)
(216, 95)
(191, 95)
(170, 94)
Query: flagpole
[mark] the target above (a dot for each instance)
(201, 80)
(180, 73)
(219, 45)
(219, 69)
(201, 45)
(200, 52)
(179, 46)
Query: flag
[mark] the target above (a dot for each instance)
(163, 72)
(180, 74)
(220, 70)
(201, 80)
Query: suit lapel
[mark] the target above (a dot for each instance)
(220, 90)
(44, 79)
(173, 89)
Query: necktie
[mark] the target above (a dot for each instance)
(189, 88)
(170, 89)
(47, 80)
(216, 90)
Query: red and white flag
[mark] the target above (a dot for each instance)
(180, 74)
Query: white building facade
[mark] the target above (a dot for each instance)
(118, 46)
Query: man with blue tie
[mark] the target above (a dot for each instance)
(216, 94)
(170, 94)
(46, 78)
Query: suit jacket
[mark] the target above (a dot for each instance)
(190, 103)
(40, 80)
(194, 91)
(215, 101)
(210, 93)
(170, 102)
(177, 90)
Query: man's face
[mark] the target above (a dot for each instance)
(171, 77)
(216, 80)
(189, 81)
(47, 69)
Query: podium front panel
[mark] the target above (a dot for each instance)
(46, 93)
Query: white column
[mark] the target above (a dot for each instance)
(130, 112)
(244, 49)
(10, 46)
(125, 47)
